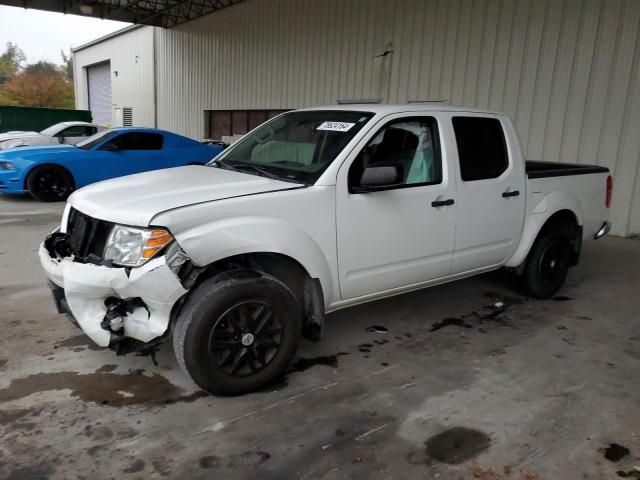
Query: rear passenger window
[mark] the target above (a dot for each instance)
(138, 141)
(482, 150)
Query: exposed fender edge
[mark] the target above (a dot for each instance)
(554, 203)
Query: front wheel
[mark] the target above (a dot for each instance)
(50, 183)
(238, 335)
(548, 263)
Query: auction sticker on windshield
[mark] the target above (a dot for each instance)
(336, 126)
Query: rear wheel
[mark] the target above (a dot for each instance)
(50, 183)
(548, 262)
(238, 335)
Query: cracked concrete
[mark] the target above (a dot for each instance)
(532, 390)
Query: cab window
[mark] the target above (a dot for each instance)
(482, 150)
(411, 144)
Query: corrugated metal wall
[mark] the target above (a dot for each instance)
(131, 56)
(565, 70)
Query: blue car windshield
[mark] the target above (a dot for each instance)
(93, 140)
(296, 146)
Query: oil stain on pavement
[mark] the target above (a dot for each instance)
(102, 388)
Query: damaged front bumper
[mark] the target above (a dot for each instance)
(112, 303)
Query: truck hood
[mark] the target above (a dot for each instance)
(136, 199)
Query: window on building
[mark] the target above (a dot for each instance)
(482, 151)
(226, 123)
(138, 141)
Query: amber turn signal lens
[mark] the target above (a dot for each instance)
(157, 240)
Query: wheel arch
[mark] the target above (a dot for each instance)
(47, 164)
(540, 223)
(306, 289)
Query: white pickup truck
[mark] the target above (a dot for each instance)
(316, 210)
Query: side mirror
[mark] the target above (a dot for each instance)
(380, 177)
(110, 147)
(60, 138)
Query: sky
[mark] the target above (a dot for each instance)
(41, 35)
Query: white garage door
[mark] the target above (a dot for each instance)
(99, 78)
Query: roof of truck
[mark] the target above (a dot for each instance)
(386, 109)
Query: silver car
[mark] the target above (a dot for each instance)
(68, 133)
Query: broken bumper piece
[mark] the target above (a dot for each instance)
(107, 303)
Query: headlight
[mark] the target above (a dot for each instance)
(7, 166)
(131, 247)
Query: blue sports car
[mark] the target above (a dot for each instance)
(51, 173)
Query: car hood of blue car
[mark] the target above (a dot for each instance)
(24, 156)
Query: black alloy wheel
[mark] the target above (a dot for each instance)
(237, 335)
(50, 183)
(245, 338)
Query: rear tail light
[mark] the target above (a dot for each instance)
(607, 201)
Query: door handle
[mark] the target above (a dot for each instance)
(510, 193)
(442, 203)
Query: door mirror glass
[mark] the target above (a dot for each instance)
(110, 147)
(381, 177)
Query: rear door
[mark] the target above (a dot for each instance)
(402, 235)
(491, 192)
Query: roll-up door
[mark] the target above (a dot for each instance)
(99, 78)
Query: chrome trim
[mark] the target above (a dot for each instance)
(602, 231)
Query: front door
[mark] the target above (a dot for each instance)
(403, 234)
(129, 153)
(491, 193)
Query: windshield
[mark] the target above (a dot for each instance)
(93, 140)
(296, 146)
(52, 130)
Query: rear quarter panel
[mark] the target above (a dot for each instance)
(584, 195)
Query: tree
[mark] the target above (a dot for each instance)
(41, 84)
(10, 62)
(67, 65)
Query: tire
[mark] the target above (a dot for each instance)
(50, 183)
(548, 261)
(218, 339)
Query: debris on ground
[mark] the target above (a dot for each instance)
(615, 452)
(377, 329)
(635, 473)
(449, 321)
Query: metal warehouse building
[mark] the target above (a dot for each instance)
(567, 71)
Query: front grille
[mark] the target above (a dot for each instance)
(87, 235)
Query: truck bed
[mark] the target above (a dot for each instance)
(538, 169)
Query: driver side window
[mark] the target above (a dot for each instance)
(77, 131)
(410, 145)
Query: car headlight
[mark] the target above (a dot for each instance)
(7, 166)
(132, 247)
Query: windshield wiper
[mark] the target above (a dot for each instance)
(262, 171)
(239, 167)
